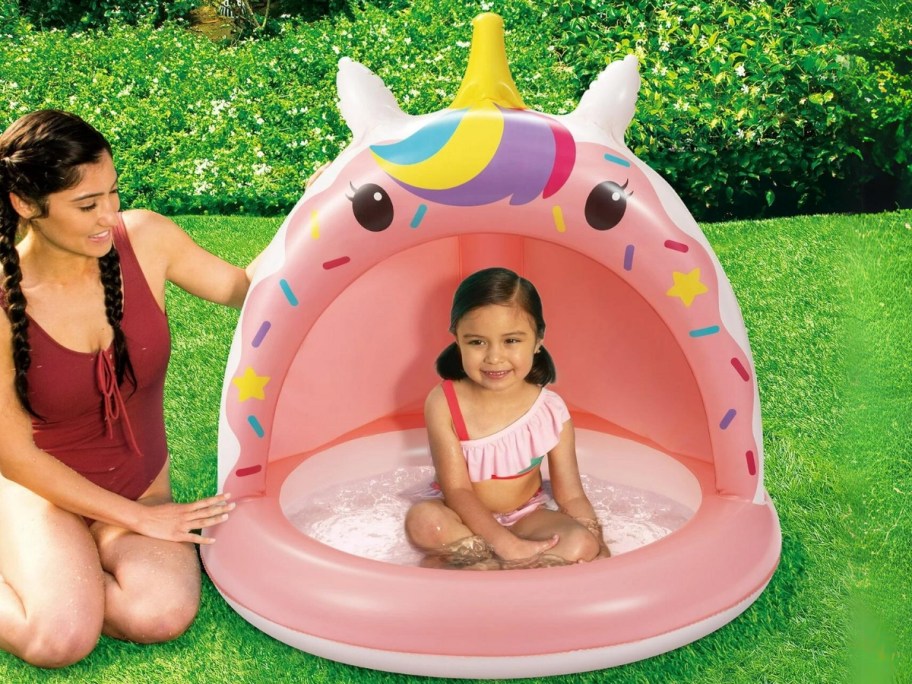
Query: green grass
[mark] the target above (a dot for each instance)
(827, 301)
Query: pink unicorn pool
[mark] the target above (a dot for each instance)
(334, 354)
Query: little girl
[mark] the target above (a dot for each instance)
(490, 424)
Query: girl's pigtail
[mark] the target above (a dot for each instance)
(449, 364)
(543, 370)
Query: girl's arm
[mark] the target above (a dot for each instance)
(567, 487)
(453, 478)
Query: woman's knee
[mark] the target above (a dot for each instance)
(160, 616)
(56, 643)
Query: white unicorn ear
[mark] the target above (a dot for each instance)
(364, 100)
(610, 101)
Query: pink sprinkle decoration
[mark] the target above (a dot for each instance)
(742, 371)
(676, 246)
(244, 472)
(751, 463)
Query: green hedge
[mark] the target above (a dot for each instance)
(87, 14)
(748, 108)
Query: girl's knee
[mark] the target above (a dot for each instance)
(426, 523)
(579, 545)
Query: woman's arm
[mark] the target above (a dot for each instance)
(567, 486)
(453, 478)
(167, 253)
(22, 462)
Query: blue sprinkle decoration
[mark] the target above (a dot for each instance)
(617, 160)
(419, 216)
(255, 424)
(289, 295)
(703, 332)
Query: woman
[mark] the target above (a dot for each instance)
(90, 540)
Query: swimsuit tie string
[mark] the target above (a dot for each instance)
(106, 379)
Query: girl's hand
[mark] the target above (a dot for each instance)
(175, 521)
(523, 549)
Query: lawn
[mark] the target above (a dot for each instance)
(827, 301)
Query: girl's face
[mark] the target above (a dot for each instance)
(498, 345)
(80, 220)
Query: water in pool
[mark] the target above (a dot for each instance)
(365, 517)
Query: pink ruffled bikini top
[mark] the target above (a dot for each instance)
(517, 449)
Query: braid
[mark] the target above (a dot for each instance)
(15, 303)
(113, 291)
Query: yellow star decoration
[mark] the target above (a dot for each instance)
(687, 286)
(250, 385)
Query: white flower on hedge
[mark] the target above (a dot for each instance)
(203, 165)
(261, 169)
(202, 187)
(665, 46)
(740, 70)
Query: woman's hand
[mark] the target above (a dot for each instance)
(175, 521)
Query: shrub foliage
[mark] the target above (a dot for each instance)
(749, 108)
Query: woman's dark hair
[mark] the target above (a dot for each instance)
(503, 287)
(40, 154)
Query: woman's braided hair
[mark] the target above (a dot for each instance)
(40, 154)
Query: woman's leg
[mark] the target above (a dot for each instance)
(152, 587)
(52, 586)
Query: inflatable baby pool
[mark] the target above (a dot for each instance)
(333, 357)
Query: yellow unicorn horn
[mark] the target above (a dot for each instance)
(487, 77)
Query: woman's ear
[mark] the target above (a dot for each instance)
(23, 207)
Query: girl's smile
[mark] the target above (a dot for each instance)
(497, 344)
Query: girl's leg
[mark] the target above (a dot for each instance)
(152, 587)
(576, 542)
(52, 586)
(430, 526)
(439, 532)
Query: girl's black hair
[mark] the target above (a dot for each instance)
(503, 287)
(40, 154)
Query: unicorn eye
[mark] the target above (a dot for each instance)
(606, 205)
(372, 207)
